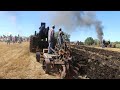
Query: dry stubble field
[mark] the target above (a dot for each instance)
(16, 62)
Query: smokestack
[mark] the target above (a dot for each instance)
(35, 33)
(71, 20)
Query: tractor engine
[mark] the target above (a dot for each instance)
(39, 39)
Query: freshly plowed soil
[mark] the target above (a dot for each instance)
(101, 63)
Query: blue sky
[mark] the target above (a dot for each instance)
(26, 22)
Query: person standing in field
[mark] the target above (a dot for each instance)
(60, 37)
(8, 40)
(51, 39)
(13, 39)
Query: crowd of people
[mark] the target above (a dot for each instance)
(12, 39)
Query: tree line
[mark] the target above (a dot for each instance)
(91, 41)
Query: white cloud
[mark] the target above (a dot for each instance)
(13, 19)
(7, 33)
(12, 15)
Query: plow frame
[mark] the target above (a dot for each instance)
(52, 62)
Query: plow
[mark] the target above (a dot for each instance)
(64, 63)
(86, 63)
(58, 61)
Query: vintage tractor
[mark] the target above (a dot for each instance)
(59, 61)
(106, 43)
(39, 39)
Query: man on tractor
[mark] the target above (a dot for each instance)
(60, 38)
(51, 39)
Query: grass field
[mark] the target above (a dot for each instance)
(16, 62)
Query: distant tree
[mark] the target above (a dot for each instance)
(89, 41)
(117, 42)
(81, 43)
(66, 36)
(97, 42)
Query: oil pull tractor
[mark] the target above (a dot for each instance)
(58, 61)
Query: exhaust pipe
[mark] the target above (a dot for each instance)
(35, 33)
